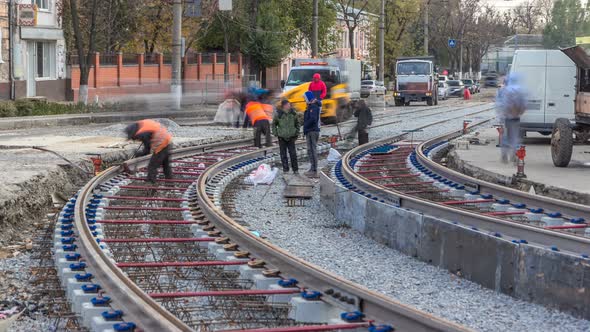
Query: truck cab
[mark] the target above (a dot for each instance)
(342, 79)
(415, 81)
(303, 74)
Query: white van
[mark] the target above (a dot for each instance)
(549, 78)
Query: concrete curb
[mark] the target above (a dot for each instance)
(459, 165)
(510, 266)
(85, 119)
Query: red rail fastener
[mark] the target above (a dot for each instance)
(143, 208)
(152, 188)
(163, 180)
(380, 165)
(180, 264)
(146, 222)
(568, 226)
(420, 183)
(307, 328)
(392, 176)
(504, 213)
(468, 201)
(244, 292)
(159, 240)
(141, 198)
(383, 170)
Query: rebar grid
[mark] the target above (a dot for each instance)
(201, 313)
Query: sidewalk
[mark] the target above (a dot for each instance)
(26, 122)
(569, 183)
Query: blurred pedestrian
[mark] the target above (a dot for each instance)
(260, 121)
(364, 120)
(285, 125)
(510, 106)
(311, 130)
(155, 139)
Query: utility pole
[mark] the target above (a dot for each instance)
(461, 51)
(176, 83)
(382, 41)
(314, 37)
(426, 6)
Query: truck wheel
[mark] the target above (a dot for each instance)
(399, 102)
(429, 101)
(407, 103)
(562, 142)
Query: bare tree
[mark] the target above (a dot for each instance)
(85, 61)
(528, 16)
(352, 18)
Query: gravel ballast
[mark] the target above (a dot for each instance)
(324, 241)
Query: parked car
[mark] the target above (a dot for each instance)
(443, 90)
(470, 85)
(369, 87)
(456, 88)
(491, 81)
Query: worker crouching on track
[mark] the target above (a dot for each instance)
(260, 120)
(285, 125)
(155, 139)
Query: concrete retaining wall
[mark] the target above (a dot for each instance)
(553, 279)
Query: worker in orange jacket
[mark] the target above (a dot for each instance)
(257, 116)
(157, 140)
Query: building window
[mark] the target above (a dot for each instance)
(41, 4)
(45, 52)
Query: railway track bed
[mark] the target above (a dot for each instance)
(163, 257)
(461, 222)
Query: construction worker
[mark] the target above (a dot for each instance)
(364, 120)
(311, 130)
(285, 125)
(155, 139)
(318, 87)
(260, 120)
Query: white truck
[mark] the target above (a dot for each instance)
(549, 79)
(415, 80)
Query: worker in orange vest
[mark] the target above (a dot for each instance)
(155, 139)
(260, 120)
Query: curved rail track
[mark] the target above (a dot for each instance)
(165, 257)
(408, 177)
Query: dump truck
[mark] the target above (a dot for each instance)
(343, 81)
(415, 80)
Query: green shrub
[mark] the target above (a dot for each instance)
(28, 107)
(7, 109)
(24, 107)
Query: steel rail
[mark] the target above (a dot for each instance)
(552, 204)
(374, 305)
(533, 234)
(139, 306)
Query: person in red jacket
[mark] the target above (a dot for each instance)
(318, 87)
